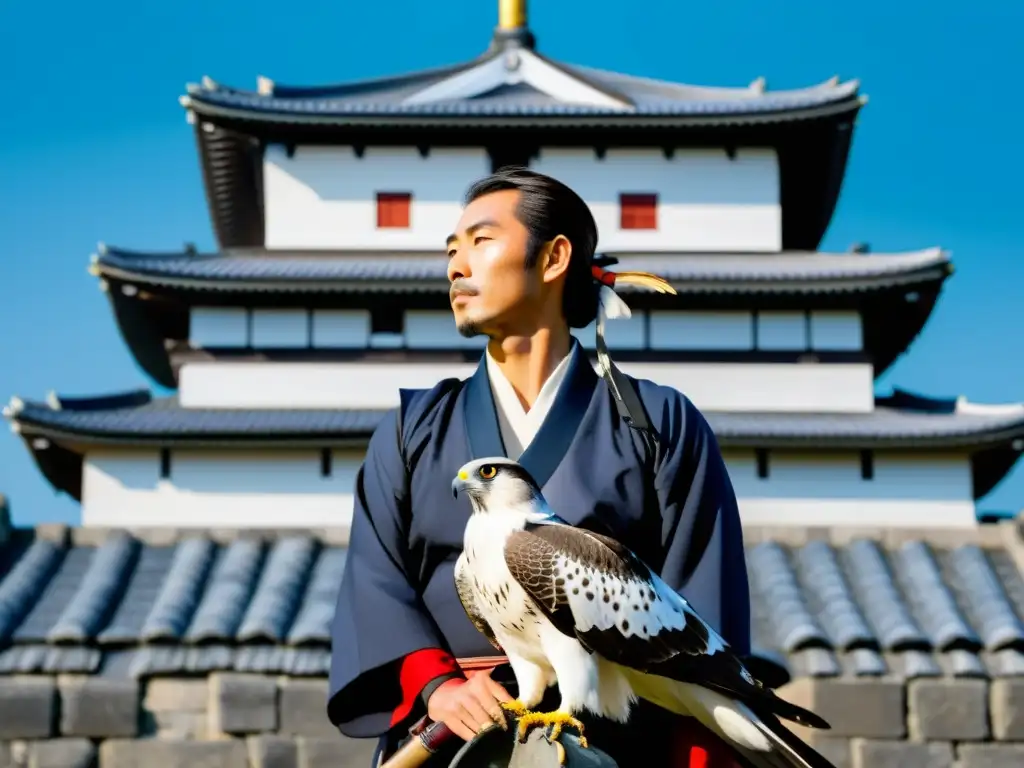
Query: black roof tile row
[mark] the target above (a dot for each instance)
(113, 603)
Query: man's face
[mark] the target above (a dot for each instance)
(491, 286)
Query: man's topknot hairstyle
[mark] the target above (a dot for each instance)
(548, 208)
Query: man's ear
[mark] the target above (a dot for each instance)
(554, 258)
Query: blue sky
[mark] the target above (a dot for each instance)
(94, 147)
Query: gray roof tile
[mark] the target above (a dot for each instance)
(869, 574)
(23, 584)
(984, 598)
(97, 593)
(57, 595)
(784, 605)
(228, 592)
(316, 611)
(171, 609)
(860, 609)
(279, 592)
(143, 586)
(828, 593)
(932, 604)
(49, 659)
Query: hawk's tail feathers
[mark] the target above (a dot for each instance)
(762, 739)
(786, 710)
(793, 750)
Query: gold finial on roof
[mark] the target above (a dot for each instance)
(511, 14)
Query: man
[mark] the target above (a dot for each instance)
(521, 266)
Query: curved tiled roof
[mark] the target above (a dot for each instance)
(519, 84)
(911, 609)
(58, 431)
(897, 421)
(261, 270)
(165, 602)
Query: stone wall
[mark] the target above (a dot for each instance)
(231, 720)
(225, 721)
(926, 723)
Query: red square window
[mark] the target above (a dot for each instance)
(393, 210)
(638, 211)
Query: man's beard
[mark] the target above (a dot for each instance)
(469, 329)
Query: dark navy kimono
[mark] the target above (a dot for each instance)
(675, 509)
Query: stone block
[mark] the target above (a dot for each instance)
(170, 694)
(273, 752)
(61, 753)
(240, 704)
(947, 709)
(990, 755)
(835, 749)
(1006, 702)
(316, 752)
(176, 725)
(28, 707)
(99, 707)
(875, 753)
(153, 753)
(302, 708)
(853, 707)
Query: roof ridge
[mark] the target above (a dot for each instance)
(285, 91)
(832, 83)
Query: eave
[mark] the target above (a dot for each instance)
(250, 270)
(992, 435)
(151, 293)
(281, 123)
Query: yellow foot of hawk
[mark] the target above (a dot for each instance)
(557, 721)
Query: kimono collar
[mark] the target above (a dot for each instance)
(551, 443)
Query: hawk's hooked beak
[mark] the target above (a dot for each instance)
(459, 483)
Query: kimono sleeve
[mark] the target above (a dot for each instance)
(379, 620)
(702, 536)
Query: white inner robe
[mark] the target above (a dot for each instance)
(517, 425)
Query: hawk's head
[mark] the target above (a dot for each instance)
(496, 484)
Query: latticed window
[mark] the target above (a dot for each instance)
(393, 209)
(638, 210)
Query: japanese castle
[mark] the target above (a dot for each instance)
(187, 619)
(328, 292)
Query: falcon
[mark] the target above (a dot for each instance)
(569, 606)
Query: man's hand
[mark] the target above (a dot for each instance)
(468, 706)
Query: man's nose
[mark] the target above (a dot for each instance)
(457, 267)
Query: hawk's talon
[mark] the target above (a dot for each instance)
(515, 707)
(557, 721)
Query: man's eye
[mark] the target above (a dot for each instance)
(479, 239)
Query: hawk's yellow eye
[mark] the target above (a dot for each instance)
(487, 471)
